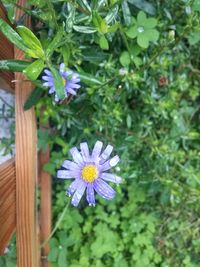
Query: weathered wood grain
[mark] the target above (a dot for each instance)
(6, 52)
(26, 171)
(45, 206)
(7, 203)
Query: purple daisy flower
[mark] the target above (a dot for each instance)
(90, 173)
(70, 80)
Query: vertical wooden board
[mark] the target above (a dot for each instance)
(26, 171)
(45, 206)
(7, 203)
(6, 52)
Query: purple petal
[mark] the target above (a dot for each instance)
(73, 186)
(50, 83)
(51, 90)
(68, 164)
(62, 68)
(90, 194)
(97, 150)
(46, 78)
(79, 193)
(68, 73)
(111, 177)
(56, 98)
(103, 189)
(85, 151)
(48, 72)
(110, 163)
(63, 174)
(77, 156)
(106, 153)
(70, 91)
(73, 85)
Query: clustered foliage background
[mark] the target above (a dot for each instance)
(144, 99)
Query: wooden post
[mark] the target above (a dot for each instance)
(26, 170)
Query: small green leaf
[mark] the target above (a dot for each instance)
(29, 38)
(58, 82)
(13, 65)
(12, 35)
(143, 40)
(34, 70)
(55, 43)
(103, 43)
(53, 254)
(33, 98)
(132, 32)
(152, 35)
(125, 59)
(62, 258)
(84, 29)
(151, 23)
(141, 18)
(88, 79)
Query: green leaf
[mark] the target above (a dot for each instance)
(58, 82)
(84, 29)
(89, 79)
(55, 43)
(132, 32)
(151, 23)
(152, 35)
(13, 65)
(12, 35)
(53, 254)
(141, 18)
(112, 14)
(62, 258)
(126, 12)
(29, 38)
(143, 40)
(196, 5)
(143, 5)
(194, 37)
(33, 98)
(34, 70)
(103, 43)
(125, 59)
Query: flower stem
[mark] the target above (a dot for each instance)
(56, 225)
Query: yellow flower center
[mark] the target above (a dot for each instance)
(89, 173)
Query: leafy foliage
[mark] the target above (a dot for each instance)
(144, 99)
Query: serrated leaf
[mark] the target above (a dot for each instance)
(58, 82)
(13, 65)
(34, 69)
(12, 35)
(55, 42)
(103, 43)
(31, 41)
(33, 98)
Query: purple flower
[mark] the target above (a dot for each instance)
(90, 173)
(70, 81)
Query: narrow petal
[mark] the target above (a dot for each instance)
(111, 177)
(90, 194)
(51, 90)
(63, 174)
(62, 68)
(77, 156)
(85, 151)
(79, 193)
(70, 91)
(68, 164)
(106, 154)
(110, 163)
(97, 150)
(46, 78)
(50, 83)
(72, 188)
(103, 189)
(74, 85)
(48, 72)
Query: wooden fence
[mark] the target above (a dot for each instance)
(20, 176)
